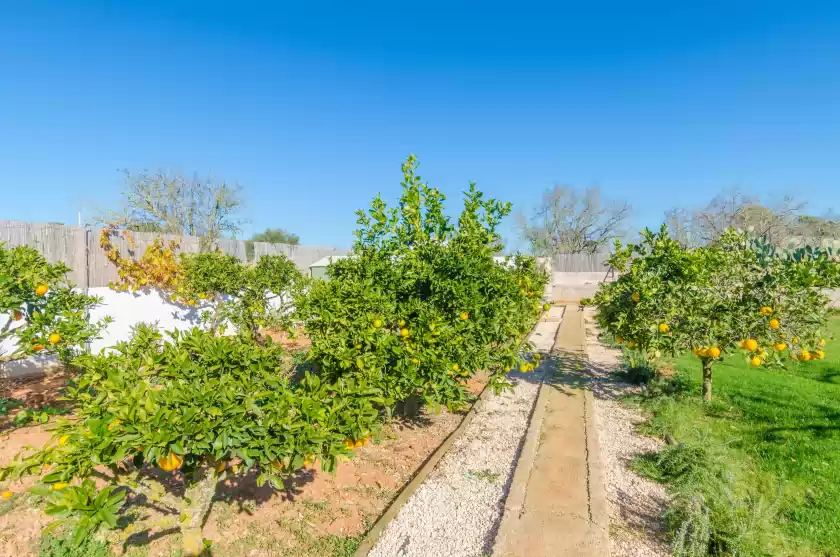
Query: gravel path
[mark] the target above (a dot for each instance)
(635, 503)
(456, 512)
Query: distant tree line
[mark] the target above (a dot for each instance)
(569, 220)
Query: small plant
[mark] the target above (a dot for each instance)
(65, 546)
(40, 415)
(8, 404)
(637, 367)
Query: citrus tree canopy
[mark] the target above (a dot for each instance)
(739, 295)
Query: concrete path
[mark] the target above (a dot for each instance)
(556, 505)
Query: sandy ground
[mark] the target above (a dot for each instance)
(635, 503)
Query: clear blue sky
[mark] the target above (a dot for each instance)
(312, 106)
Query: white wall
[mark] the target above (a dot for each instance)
(127, 309)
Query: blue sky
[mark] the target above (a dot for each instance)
(312, 106)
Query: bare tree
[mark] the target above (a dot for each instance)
(735, 209)
(173, 204)
(817, 231)
(568, 221)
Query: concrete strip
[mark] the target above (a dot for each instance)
(557, 505)
(598, 510)
(519, 483)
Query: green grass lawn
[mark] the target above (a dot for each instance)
(774, 438)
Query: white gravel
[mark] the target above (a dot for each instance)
(635, 503)
(457, 510)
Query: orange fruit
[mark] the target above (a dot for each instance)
(349, 444)
(54, 338)
(455, 367)
(546, 307)
(170, 462)
(415, 361)
(403, 332)
(779, 346)
(377, 323)
(63, 440)
(631, 345)
(766, 310)
(401, 323)
(796, 340)
(17, 316)
(38, 347)
(714, 352)
(619, 339)
(664, 327)
(59, 486)
(804, 355)
(774, 324)
(750, 344)
(635, 297)
(818, 355)
(464, 316)
(755, 361)
(41, 289)
(6, 494)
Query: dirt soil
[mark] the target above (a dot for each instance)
(33, 392)
(318, 514)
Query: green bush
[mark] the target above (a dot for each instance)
(637, 367)
(421, 305)
(249, 297)
(65, 546)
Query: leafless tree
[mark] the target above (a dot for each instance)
(735, 209)
(568, 221)
(173, 204)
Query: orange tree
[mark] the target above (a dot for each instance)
(250, 297)
(421, 305)
(738, 295)
(246, 296)
(44, 313)
(201, 408)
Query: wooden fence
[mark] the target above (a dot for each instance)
(579, 263)
(79, 248)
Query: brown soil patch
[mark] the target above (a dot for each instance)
(317, 514)
(33, 392)
(282, 337)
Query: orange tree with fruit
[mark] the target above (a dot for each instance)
(738, 295)
(190, 410)
(44, 313)
(420, 305)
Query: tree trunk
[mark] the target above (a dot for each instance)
(707, 379)
(201, 496)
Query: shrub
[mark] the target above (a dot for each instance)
(738, 294)
(203, 407)
(421, 305)
(45, 314)
(246, 296)
(637, 367)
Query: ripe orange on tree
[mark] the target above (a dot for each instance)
(41, 289)
(774, 324)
